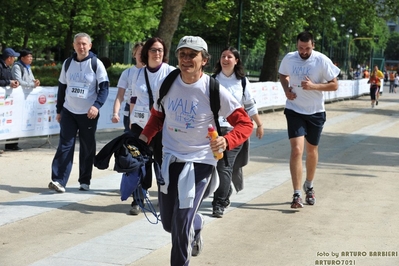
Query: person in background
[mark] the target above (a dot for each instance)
(230, 72)
(81, 93)
(125, 88)
(391, 81)
(350, 74)
(396, 82)
(188, 161)
(6, 61)
(366, 73)
(380, 75)
(304, 75)
(373, 81)
(144, 87)
(22, 72)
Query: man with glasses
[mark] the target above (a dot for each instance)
(188, 161)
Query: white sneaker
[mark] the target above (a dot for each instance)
(198, 243)
(84, 187)
(54, 185)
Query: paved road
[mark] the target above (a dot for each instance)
(355, 221)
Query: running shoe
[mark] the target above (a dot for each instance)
(310, 195)
(217, 211)
(296, 201)
(84, 187)
(198, 243)
(135, 210)
(54, 185)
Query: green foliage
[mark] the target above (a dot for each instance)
(392, 50)
(48, 25)
(44, 25)
(48, 73)
(114, 72)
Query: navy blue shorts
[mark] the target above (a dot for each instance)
(309, 126)
(373, 92)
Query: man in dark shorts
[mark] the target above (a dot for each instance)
(304, 75)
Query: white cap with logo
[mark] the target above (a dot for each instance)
(193, 42)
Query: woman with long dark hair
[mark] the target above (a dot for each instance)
(230, 72)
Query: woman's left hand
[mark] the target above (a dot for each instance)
(259, 132)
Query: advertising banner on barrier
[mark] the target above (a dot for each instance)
(32, 112)
(29, 113)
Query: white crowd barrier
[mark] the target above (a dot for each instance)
(32, 112)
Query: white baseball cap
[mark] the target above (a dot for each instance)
(193, 42)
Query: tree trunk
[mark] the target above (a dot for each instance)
(269, 70)
(68, 37)
(26, 40)
(170, 20)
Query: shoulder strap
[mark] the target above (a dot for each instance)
(148, 88)
(214, 99)
(68, 63)
(94, 67)
(93, 63)
(243, 84)
(22, 69)
(165, 86)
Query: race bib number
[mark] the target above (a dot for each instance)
(79, 90)
(141, 115)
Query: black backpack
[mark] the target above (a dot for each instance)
(93, 66)
(214, 98)
(21, 68)
(93, 63)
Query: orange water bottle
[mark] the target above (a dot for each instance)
(213, 134)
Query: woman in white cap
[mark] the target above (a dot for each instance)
(188, 161)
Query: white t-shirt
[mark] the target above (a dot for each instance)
(81, 91)
(234, 86)
(318, 68)
(141, 110)
(126, 81)
(187, 116)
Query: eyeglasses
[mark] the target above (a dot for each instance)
(192, 55)
(155, 50)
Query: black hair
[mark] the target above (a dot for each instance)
(24, 52)
(305, 36)
(147, 46)
(238, 68)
